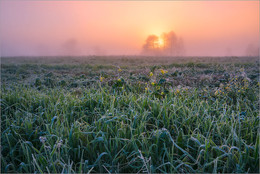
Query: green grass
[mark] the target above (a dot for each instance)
(198, 117)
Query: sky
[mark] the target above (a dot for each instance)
(52, 28)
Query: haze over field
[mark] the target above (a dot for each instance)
(45, 28)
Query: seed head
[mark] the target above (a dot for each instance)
(59, 143)
(42, 139)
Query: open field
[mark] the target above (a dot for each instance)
(129, 114)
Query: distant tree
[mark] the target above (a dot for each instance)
(98, 51)
(228, 52)
(150, 47)
(180, 49)
(171, 45)
(252, 50)
(70, 47)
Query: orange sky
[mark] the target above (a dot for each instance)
(121, 27)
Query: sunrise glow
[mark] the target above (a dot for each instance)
(160, 42)
(207, 28)
(129, 86)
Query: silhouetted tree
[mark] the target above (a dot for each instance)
(170, 43)
(150, 47)
(171, 46)
(179, 48)
(252, 50)
(70, 47)
(228, 52)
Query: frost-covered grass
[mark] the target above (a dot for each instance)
(93, 117)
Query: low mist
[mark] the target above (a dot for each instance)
(44, 28)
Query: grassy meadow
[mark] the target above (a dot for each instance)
(122, 114)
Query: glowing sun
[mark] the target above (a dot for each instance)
(160, 42)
